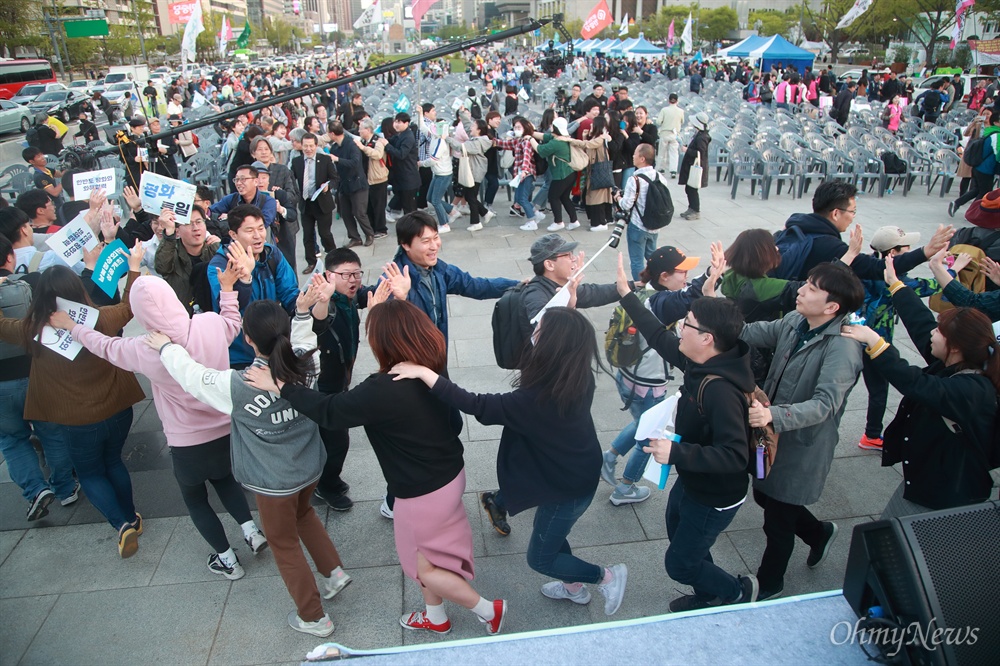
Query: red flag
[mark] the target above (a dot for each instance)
(599, 19)
(420, 8)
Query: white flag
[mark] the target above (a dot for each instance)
(623, 28)
(370, 16)
(189, 48)
(686, 40)
(859, 8)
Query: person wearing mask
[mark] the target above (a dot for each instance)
(87, 129)
(696, 153)
(523, 168)
(84, 404)
(420, 454)
(276, 452)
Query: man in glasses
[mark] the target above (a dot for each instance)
(246, 192)
(337, 326)
(810, 239)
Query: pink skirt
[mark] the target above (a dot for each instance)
(436, 526)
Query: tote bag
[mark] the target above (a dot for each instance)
(600, 172)
(465, 178)
(695, 174)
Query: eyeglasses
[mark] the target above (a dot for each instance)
(348, 275)
(572, 257)
(686, 324)
(242, 179)
(848, 210)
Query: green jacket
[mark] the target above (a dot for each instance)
(556, 153)
(760, 299)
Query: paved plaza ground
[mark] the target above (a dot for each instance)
(67, 598)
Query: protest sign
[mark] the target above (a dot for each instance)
(111, 266)
(60, 341)
(159, 192)
(87, 182)
(70, 241)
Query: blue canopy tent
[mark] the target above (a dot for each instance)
(592, 47)
(606, 46)
(742, 49)
(642, 47)
(616, 48)
(777, 49)
(584, 46)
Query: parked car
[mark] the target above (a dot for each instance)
(14, 117)
(98, 86)
(62, 104)
(969, 82)
(33, 90)
(855, 74)
(81, 85)
(120, 95)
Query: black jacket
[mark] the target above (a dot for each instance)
(828, 246)
(713, 454)
(337, 339)
(944, 465)
(698, 146)
(352, 173)
(402, 151)
(842, 105)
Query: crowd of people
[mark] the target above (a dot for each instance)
(252, 375)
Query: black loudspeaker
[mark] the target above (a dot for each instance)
(927, 586)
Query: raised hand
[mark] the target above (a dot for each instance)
(855, 245)
(308, 298)
(109, 226)
(244, 260)
(621, 280)
(325, 287)
(890, 271)
(937, 266)
(132, 198)
(228, 277)
(400, 281)
(90, 257)
(961, 261)
(939, 241)
(135, 257)
(381, 293)
(992, 269)
(168, 221)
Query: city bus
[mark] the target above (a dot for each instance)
(15, 74)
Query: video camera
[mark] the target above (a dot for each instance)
(555, 61)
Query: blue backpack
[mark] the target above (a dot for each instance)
(794, 246)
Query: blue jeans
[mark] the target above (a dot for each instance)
(626, 438)
(627, 173)
(542, 197)
(522, 196)
(641, 245)
(22, 461)
(96, 451)
(548, 550)
(692, 529)
(435, 197)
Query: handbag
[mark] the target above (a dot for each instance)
(465, 178)
(695, 174)
(600, 173)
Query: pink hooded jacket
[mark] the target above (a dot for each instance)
(206, 337)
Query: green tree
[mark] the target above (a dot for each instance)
(771, 22)
(21, 24)
(454, 31)
(927, 20)
(716, 24)
(278, 33)
(82, 50)
(821, 24)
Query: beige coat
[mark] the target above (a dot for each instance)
(597, 152)
(972, 131)
(378, 172)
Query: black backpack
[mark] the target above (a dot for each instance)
(508, 341)
(31, 136)
(794, 245)
(893, 163)
(659, 206)
(973, 155)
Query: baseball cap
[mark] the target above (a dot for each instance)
(562, 126)
(549, 246)
(174, 117)
(889, 237)
(668, 259)
(260, 166)
(137, 121)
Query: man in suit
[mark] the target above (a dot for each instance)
(313, 172)
(352, 194)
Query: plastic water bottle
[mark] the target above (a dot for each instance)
(665, 469)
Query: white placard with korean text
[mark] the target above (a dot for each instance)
(62, 342)
(70, 241)
(85, 183)
(158, 192)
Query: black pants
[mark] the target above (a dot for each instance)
(354, 212)
(404, 200)
(559, 193)
(491, 186)
(982, 183)
(599, 214)
(782, 523)
(193, 466)
(336, 443)
(376, 206)
(314, 219)
(694, 198)
(425, 184)
(878, 395)
(476, 207)
(285, 240)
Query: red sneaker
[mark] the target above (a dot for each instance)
(499, 613)
(417, 620)
(870, 443)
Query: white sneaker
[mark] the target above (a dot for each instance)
(556, 590)
(556, 226)
(539, 215)
(530, 225)
(337, 581)
(572, 225)
(475, 227)
(384, 510)
(489, 216)
(454, 214)
(599, 227)
(257, 541)
(463, 209)
(393, 215)
(217, 566)
(444, 228)
(322, 627)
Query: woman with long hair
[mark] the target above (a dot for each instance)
(628, 147)
(549, 456)
(541, 199)
(276, 453)
(475, 148)
(944, 427)
(616, 146)
(415, 438)
(597, 201)
(197, 435)
(84, 403)
(523, 168)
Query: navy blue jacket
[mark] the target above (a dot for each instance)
(352, 173)
(268, 206)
